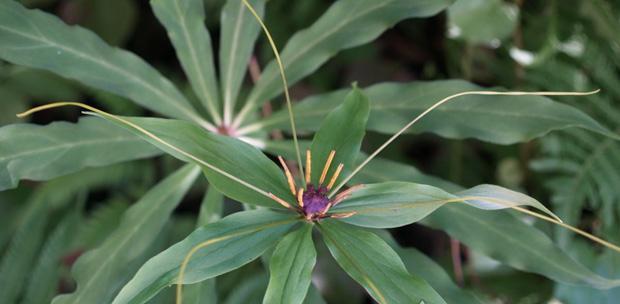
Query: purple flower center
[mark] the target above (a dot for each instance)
(315, 200)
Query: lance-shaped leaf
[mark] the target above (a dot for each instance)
(500, 235)
(228, 154)
(100, 269)
(507, 239)
(18, 259)
(227, 244)
(40, 40)
(342, 131)
(210, 211)
(45, 276)
(184, 21)
(344, 25)
(434, 274)
(39, 153)
(496, 119)
(375, 265)
(237, 39)
(394, 204)
(290, 268)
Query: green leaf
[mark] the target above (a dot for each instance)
(430, 271)
(237, 38)
(210, 211)
(375, 265)
(44, 278)
(481, 21)
(394, 204)
(40, 40)
(184, 21)
(417, 262)
(211, 207)
(344, 25)
(234, 241)
(229, 154)
(43, 152)
(291, 267)
(503, 237)
(23, 248)
(391, 204)
(496, 119)
(342, 130)
(384, 170)
(506, 238)
(97, 271)
(249, 290)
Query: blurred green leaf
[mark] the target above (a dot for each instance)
(239, 30)
(417, 262)
(482, 20)
(430, 271)
(342, 130)
(43, 152)
(507, 239)
(290, 268)
(606, 263)
(374, 265)
(13, 102)
(98, 270)
(184, 21)
(234, 241)
(44, 278)
(344, 25)
(249, 291)
(37, 39)
(18, 260)
(114, 31)
(496, 119)
(40, 84)
(103, 220)
(385, 170)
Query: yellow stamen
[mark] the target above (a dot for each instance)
(300, 197)
(345, 194)
(327, 164)
(335, 176)
(289, 176)
(280, 201)
(343, 215)
(329, 205)
(308, 165)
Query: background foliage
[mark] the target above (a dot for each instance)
(65, 210)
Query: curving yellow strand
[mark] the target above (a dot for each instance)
(439, 103)
(284, 83)
(147, 133)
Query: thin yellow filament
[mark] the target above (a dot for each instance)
(284, 83)
(280, 201)
(300, 197)
(328, 163)
(148, 134)
(308, 165)
(335, 176)
(439, 103)
(289, 176)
